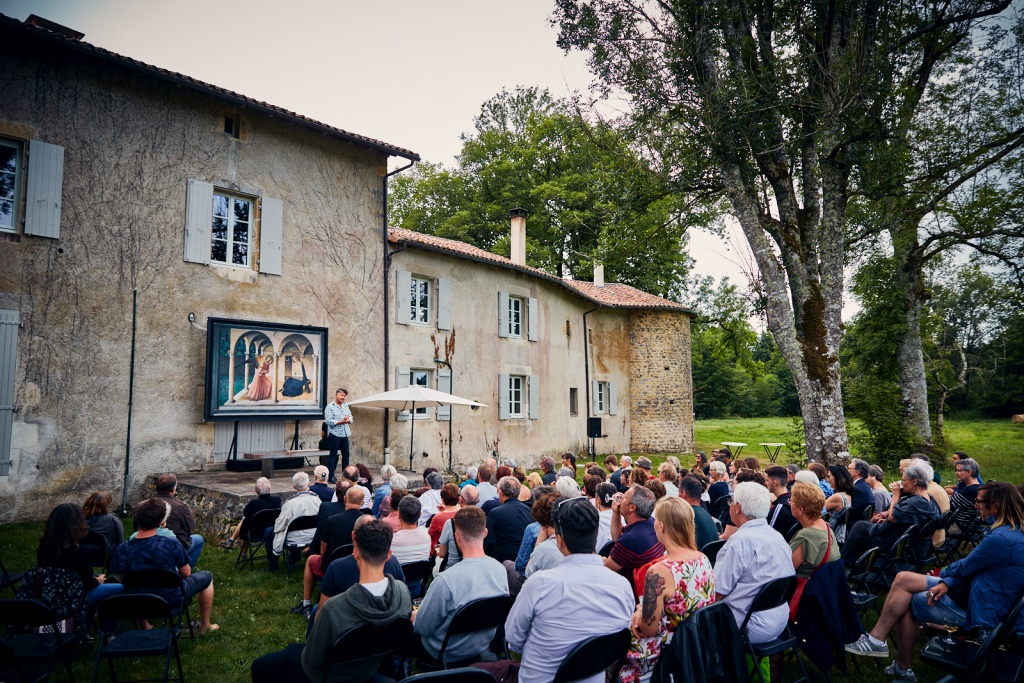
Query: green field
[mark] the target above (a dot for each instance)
(252, 607)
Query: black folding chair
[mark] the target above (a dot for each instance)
(252, 540)
(887, 565)
(859, 512)
(12, 669)
(593, 656)
(294, 549)
(720, 510)
(368, 642)
(968, 660)
(146, 581)
(712, 549)
(97, 549)
(418, 571)
(463, 675)
(606, 549)
(860, 587)
(23, 618)
(9, 579)
(117, 642)
(337, 554)
(769, 596)
(473, 617)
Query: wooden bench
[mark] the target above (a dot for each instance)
(268, 459)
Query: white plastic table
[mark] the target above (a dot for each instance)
(735, 446)
(772, 450)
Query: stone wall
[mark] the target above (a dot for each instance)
(661, 386)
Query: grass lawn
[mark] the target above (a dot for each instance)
(252, 607)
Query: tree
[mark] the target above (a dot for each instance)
(777, 99)
(589, 195)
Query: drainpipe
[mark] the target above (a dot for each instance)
(131, 396)
(586, 365)
(387, 300)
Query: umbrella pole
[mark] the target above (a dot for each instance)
(412, 432)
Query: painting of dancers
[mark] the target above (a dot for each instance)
(257, 370)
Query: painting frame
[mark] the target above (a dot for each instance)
(261, 370)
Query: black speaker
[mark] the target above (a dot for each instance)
(594, 430)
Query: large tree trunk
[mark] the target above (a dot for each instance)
(909, 354)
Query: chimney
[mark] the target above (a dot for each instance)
(598, 274)
(518, 217)
(70, 33)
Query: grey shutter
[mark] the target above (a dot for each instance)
(531, 326)
(502, 314)
(43, 194)
(402, 381)
(534, 397)
(198, 221)
(444, 304)
(403, 302)
(593, 398)
(613, 406)
(8, 364)
(444, 383)
(503, 407)
(271, 235)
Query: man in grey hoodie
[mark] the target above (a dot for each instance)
(378, 599)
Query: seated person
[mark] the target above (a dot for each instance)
(911, 506)
(507, 522)
(320, 486)
(719, 487)
(690, 490)
(780, 517)
(337, 532)
(303, 504)
(59, 548)
(411, 542)
(450, 503)
(815, 536)
(544, 554)
(378, 599)
(430, 500)
(148, 550)
(381, 505)
(447, 548)
(637, 543)
(754, 555)
(475, 576)
(263, 501)
(878, 490)
(976, 592)
(99, 518)
(963, 497)
(392, 519)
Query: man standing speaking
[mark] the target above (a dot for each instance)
(338, 417)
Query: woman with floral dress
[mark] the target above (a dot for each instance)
(674, 587)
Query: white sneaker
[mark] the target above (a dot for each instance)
(863, 646)
(904, 674)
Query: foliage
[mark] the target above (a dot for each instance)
(589, 195)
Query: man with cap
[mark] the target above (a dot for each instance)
(645, 463)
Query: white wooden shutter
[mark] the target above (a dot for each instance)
(502, 314)
(9, 321)
(198, 221)
(444, 383)
(531, 326)
(43, 193)
(444, 304)
(271, 235)
(503, 407)
(593, 398)
(534, 397)
(402, 381)
(403, 302)
(613, 406)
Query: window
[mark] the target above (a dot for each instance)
(419, 299)
(600, 397)
(231, 233)
(574, 402)
(515, 395)
(231, 125)
(10, 170)
(420, 378)
(515, 316)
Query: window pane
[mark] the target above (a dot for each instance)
(220, 229)
(7, 185)
(241, 235)
(220, 205)
(6, 214)
(241, 210)
(8, 159)
(412, 302)
(240, 256)
(219, 252)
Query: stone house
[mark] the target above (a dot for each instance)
(135, 200)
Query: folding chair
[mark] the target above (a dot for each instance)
(712, 549)
(464, 675)
(769, 596)
(593, 656)
(860, 590)
(968, 660)
(884, 571)
(97, 549)
(297, 524)
(253, 539)
(12, 671)
(368, 642)
(721, 508)
(22, 619)
(119, 643)
(420, 571)
(9, 579)
(147, 581)
(473, 617)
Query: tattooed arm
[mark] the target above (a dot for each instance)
(646, 620)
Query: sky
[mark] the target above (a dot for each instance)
(409, 73)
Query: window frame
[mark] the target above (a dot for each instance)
(574, 401)
(601, 399)
(230, 242)
(415, 310)
(519, 402)
(16, 190)
(516, 321)
(421, 412)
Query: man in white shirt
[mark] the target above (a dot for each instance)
(304, 503)
(485, 488)
(580, 584)
(430, 500)
(754, 555)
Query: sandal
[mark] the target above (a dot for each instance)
(227, 543)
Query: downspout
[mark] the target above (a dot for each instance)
(586, 363)
(387, 300)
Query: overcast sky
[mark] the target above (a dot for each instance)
(410, 73)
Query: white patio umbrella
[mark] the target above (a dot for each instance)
(411, 397)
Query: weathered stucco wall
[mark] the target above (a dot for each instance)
(478, 356)
(661, 385)
(131, 145)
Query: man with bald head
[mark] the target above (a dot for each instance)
(304, 503)
(336, 533)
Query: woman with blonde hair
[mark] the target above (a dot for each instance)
(533, 480)
(815, 536)
(674, 587)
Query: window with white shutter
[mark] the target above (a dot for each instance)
(43, 189)
(220, 228)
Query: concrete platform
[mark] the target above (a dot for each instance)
(217, 498)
